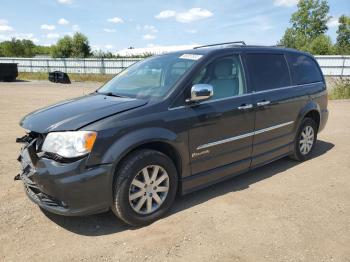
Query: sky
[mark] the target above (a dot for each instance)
(114, 25)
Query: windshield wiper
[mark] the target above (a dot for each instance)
(109, 94)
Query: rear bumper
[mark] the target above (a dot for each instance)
(69, 189)
(323, 119)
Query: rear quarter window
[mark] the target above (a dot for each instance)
(267, 71)
(304, 69)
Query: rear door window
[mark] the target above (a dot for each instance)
(304, 69)
(267, 71)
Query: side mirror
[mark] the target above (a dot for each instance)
(201, 92)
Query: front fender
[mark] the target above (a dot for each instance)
(123, 145)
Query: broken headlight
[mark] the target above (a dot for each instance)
(69, 144)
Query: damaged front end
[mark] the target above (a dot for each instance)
(61, 187)
(29, 157)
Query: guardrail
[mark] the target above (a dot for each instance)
(336, 65)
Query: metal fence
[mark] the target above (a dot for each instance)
(335, 65)
(71, 65)
(331, 65)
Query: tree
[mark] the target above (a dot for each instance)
(311, 18)
(343, 38)
(76, 46)
(320, 45)
(80, 46)
(17, 48)
(63, 48)
(309, 25)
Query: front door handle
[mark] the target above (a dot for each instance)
(245, 107)
(263, 103)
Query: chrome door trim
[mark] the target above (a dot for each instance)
(260, 131)
(225, 141)
(272, 127)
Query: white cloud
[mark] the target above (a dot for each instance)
(108, 46)
(333, 22)
(166, 14)
(52, 35)
(63, 21)
(285, 3)
(76, 28)
(47, 27)
(3, 22)
(193, 14)
(4, 27)
(28, 36)
(148, 37)
(115, 20)
(150, 28)
(65, 2)
(190, 15)
(109, 30)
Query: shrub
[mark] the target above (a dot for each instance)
(341, 89)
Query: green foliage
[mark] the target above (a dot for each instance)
(80, 46)
(343, 38)
(17, 47)
(63, 48)
(311, 18)
(21, 48)
(320, 45)
(309, 25)
(101, 54)
(76, 46)
(341, 89)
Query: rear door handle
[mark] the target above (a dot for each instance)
(263, 103)
(245, 107)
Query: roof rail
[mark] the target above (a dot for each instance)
(227, 43)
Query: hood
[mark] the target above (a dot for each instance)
(76, 113)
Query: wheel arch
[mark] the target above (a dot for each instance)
(311, 110)
(160, 139)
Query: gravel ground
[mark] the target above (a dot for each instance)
(285, 211)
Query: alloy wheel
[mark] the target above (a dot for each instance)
(306, 140)
(149, 189)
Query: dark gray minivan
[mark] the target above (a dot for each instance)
(169, 124)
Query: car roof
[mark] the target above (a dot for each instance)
(253, 48)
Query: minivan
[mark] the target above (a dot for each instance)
(171, 124)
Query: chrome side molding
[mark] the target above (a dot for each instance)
(227, 140)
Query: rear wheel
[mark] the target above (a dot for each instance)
(305, 140)
(145, 187)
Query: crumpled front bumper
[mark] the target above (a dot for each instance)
(65, 188)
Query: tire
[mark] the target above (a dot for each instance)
(127, 185)
(307, 131)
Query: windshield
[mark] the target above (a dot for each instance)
(150, 78)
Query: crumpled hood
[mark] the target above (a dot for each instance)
(76, 113)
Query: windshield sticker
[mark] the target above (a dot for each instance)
(190, 56)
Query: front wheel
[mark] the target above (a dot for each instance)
(305, 140)
(145, 187)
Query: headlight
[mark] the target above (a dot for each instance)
(70, 144)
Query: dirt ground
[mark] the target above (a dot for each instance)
(285, 211)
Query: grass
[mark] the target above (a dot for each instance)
(340, 89)
(73, 77)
